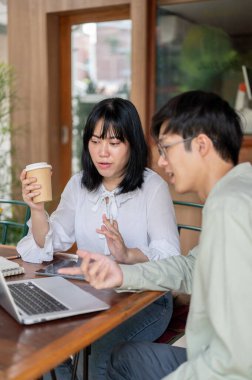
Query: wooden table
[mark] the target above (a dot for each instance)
(26, 352)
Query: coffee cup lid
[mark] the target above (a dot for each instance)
(37, 165)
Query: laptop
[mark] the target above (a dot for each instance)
(45, 299)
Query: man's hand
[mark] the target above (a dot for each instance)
(99, 270)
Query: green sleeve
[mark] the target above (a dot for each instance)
(172, 273)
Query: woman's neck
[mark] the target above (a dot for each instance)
(110, 185)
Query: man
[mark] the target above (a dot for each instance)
(199, 138)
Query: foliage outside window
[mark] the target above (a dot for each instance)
(8, 173)
(191, 56)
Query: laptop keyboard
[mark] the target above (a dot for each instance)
(32, 300)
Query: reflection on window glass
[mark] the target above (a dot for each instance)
(3, 32)
(101, 68)
(193, 55)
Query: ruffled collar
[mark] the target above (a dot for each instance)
(111, 199)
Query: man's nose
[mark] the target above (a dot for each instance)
(162, 162)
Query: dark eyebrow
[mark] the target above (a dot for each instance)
(161, 137)
(110, 137)
(98, 137)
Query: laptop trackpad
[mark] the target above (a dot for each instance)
(69, 294)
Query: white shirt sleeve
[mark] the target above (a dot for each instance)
(162, 226)
(61, 234)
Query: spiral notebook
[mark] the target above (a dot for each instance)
(10, 268)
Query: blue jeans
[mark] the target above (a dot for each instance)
(148, 361)
(63, 371)
(147, 325)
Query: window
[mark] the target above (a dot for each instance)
(203, 45)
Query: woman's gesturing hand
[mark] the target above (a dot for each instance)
(114, 239)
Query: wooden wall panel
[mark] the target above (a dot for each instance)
(28, 56)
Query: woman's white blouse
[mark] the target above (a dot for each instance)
(145, 217)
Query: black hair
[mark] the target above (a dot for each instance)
(121, 117)
(195, 112)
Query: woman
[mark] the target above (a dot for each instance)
(116, 206)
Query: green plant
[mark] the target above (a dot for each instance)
(207, 54)
(7, 96)
(9, 172)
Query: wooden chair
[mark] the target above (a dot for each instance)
(190, 205)
(10, 209)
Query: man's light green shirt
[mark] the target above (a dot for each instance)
(218, 273)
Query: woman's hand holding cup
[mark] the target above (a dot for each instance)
(36, 185)
(30, 188)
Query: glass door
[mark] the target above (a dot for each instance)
(95, 63)
(100, 68)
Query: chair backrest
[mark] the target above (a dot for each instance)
(187, 226)
(190, 214)
(14, 215)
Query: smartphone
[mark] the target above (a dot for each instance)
(52, 269)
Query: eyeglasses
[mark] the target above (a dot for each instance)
(162, 149)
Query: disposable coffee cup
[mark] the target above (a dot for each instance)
(42, 171)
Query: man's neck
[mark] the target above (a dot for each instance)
(217, 169)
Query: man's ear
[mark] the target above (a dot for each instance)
(204, 144)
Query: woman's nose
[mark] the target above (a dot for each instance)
(104, 148)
